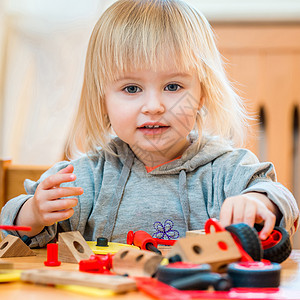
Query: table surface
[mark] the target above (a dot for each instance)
(290, 280)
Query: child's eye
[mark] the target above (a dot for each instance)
(173, 87)
(132, 89)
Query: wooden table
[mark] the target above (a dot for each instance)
(290, 281)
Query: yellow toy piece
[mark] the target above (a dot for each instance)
(164, 262)
(86, 290)
(111, 248)
(10, 275)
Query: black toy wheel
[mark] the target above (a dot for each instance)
(203, 281)
(179, 270)
(277, 247)
(254, 274)
(248, 238)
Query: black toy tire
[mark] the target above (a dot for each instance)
(260, 276)
(248, 238)
(202, 281)
(280, 251)
(169, 273)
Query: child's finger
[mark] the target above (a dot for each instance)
(56, 179)
(57, 216)
(226, 214)
(268, 226)
(68, 169)
(62, 192)
(61, 204)
(250, 213)
(238, 211)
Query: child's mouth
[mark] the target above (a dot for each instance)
(149, 129)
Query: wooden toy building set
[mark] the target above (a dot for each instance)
(208, 262)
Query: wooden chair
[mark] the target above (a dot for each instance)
(12, 178)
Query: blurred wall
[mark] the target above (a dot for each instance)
(42, 50)
(2, 47)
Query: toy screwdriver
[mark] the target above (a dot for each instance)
(143, 240)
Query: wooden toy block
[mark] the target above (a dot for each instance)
(192, 233)
(6, 265)
(116, 283)
(72, 247)
(136, 262)
(13, 246)
(217, 249)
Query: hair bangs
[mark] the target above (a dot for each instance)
(147, 36)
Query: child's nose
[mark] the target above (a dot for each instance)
(153, 105)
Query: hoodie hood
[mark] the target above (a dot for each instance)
(192, 158)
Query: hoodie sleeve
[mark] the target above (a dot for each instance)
(12, 207)
(240, 172)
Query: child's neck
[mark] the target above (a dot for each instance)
(152, 159)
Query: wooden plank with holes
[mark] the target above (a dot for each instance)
(136, 262)
(217, 249)
(116, 283)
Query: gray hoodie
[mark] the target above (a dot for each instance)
(119, 195)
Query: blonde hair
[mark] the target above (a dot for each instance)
(139, 33)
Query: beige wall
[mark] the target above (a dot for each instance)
(264, 61)
(2, 54)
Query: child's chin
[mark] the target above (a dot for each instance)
(150, 148)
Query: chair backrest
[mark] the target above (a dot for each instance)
(12, 178)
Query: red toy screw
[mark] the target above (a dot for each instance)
(52, 256)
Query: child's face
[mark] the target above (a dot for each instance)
(154, 111)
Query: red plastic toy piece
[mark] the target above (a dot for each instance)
(272, 239)
(130, 237)
(52, 256)
(212, 222)
(245, 257)
(97, 264)
(143, 239)
(165, 242)
(13, 227)
(159, 290)
(140, 238)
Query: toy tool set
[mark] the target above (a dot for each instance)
(219, 262)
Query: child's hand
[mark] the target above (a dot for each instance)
(250, 208)
(48, 207)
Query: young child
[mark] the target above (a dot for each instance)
(154, 78)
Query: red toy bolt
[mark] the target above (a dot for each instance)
(52, 256)
(143, 240)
